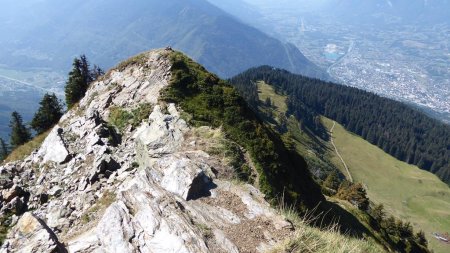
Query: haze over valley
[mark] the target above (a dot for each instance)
(399, 49)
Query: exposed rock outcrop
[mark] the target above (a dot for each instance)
(31, 234)
(149, 189)
(53, 149)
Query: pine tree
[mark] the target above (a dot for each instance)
(405, 229)
(79, 79)
(85, 69)
(378, 213)
(354, 193)
(421, 239)
(389, 225)
(48, 113)
(3, 150)
(19, 133)
(96, 72)
(75, 86)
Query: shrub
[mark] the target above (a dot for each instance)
(121, 118)
(355, 194)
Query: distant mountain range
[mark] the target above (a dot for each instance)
(410, 11)
(407, 11)
(47, 35)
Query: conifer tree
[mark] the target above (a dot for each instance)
(96, 72)
(378, 213)
(19, 133)
(421, 239)
(354, 193)
(79, 79)
(75, 86)
(3, 150)
(48, 113)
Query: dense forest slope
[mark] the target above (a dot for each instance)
(399, 130)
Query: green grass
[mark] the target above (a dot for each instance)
(139, 60)
(121, 118)
(266, 91)
(406, 191)
(98, 208)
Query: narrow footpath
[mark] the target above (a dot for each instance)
(350, 178)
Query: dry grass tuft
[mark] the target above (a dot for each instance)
(310, 239)
(26, 149)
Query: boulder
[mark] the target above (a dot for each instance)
(53, 148)
(183, 177)
(31, 234)
(103, 167)
(115, 230)
(150, 223)
(164, 134)
(55, 191)
(11, 193)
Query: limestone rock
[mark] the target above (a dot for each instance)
(11, 193)
(103, 167)
(183, 177)
(164, 134)
(55, 191)
(115, 230)
(53, 148)
(32, 235)
(150, 189)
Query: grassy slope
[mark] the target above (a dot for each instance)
(267, 91)
(406, 191)
(26, 149)
(318, 155)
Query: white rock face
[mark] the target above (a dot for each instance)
(33, 236)
(164, 134)
(149, 189)
(53, 148)
(152, 223)
(182, 176)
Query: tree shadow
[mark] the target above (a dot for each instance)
(201, 187)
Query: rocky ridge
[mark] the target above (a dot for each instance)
(151, 188)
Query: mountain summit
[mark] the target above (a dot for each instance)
(126, 170)
(43, 37)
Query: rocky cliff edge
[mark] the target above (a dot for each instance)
(151, 186)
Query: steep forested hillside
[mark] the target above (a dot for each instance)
(399, 130)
